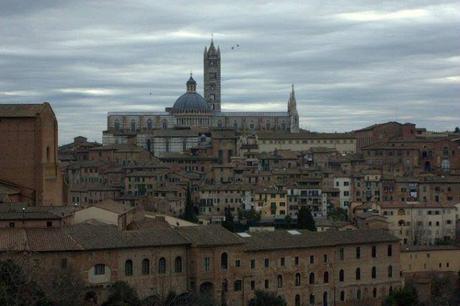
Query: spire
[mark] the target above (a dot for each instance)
(292, 103)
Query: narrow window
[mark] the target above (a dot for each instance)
(178, 264)
(162, 265)
(224, 261)
(341, 275)
(280, 281)
(312, 278)
(326, 277)
(145, 266)
(390, 250)
(297, 279)
(374, 272)
(129, 267)
(358, 274)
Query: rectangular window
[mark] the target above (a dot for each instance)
(267, 284)
(267, 262)
(237, 285)
(297, 260)
(282, 261)
(358, 252)
(99, 269)
(207, 264)
(342, 254)
(237, 263)
(253, 263)
(253, 285)
(63, 263)
(312, 259)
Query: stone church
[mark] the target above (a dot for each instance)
(192, 110)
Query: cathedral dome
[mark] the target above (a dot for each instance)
(191, 101)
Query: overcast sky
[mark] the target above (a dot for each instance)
(353, 63)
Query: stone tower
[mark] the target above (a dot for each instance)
(211, 71)
(293, 114)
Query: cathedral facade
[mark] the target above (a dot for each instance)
(191, 110)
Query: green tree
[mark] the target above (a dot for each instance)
(121, 294)
(444, 290)
(263, 298)
(229, 223)
(63, 287)
(251, 216)
(337, 214)
(189, 212)
(305, 219)
(406, 296)
(17, 289)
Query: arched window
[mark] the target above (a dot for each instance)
(374, 272)
(297, 279)
(326, 277)
(133, 125)
(117, 124)
(312, 278)
(358, 273)
(224, 261)
(325, 302)
(390, 271)
(145, 266)
(342, 296)
(358, 294)
(178, 264)
(312, 299)
(129, 267)
(341, 275)
(149, 124)
(162, 265)
(297, 300)
(280, 281)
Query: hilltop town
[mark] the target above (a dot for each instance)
(228, 206)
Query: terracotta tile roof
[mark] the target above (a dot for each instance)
(209, 235)
(409, 205)
(283, 239)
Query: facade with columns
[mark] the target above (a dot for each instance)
(191, 110)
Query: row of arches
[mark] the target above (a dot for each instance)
(146, 266)
(134, 126)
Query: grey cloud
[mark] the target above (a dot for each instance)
(353, 64)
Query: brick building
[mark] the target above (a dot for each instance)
(305, 268)
(28, 152)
